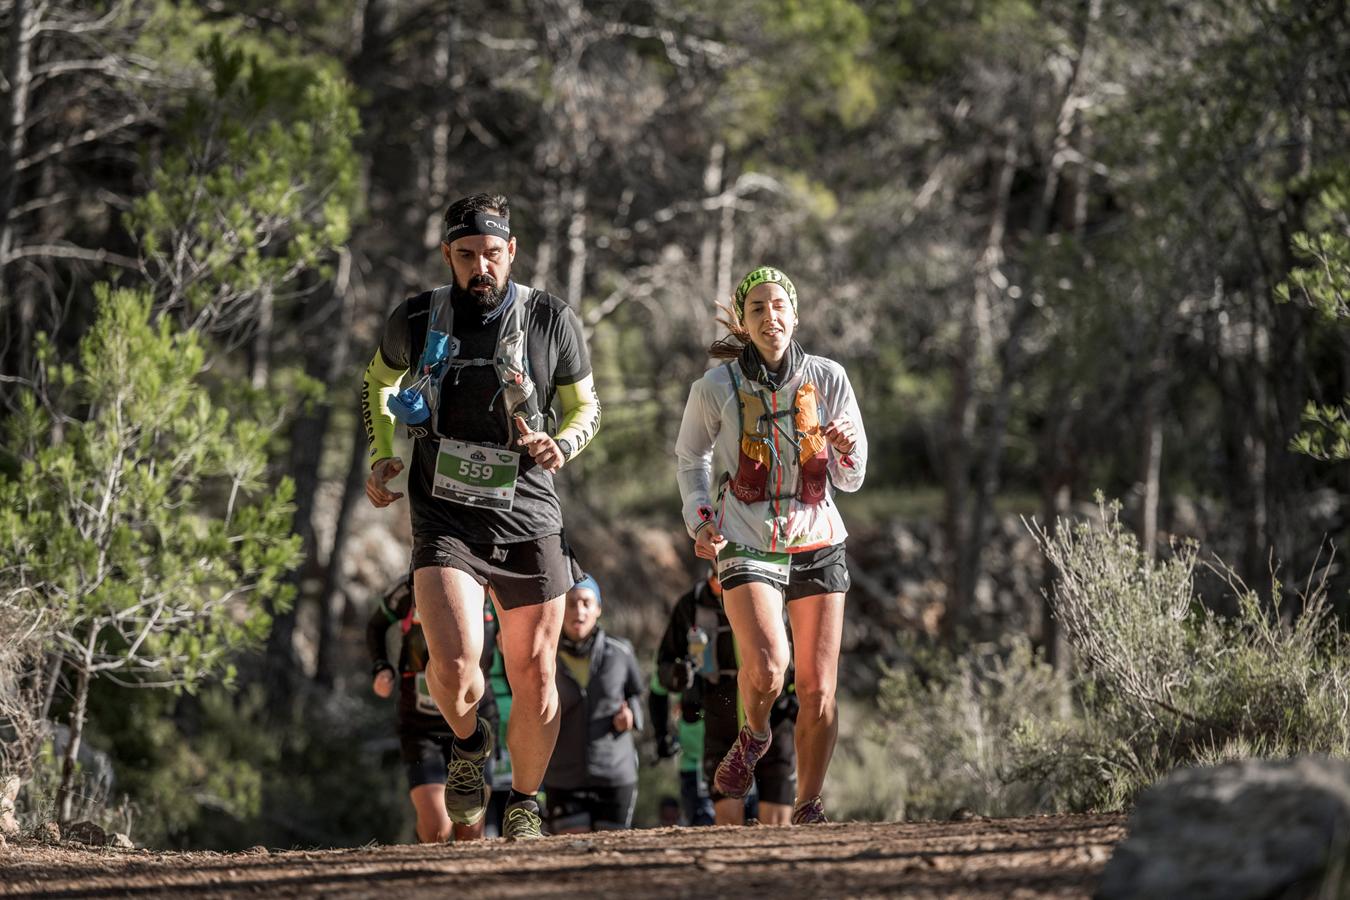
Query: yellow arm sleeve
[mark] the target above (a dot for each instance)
(580, 413)
(380, 382)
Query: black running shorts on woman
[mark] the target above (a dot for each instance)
(812, 572)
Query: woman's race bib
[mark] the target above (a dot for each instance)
(738, 559)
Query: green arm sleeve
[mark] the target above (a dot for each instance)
(580, 413)
(380, 381)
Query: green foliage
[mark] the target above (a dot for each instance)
(1324, 285)
(258, 187)
(106, 519)
(943, 739)
(218, 770)
(1326, 433)
(810, 58)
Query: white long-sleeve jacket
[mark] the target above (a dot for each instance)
(708, 451)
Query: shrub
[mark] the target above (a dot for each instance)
(1156, 681)
(942, 741)
(1165, 682)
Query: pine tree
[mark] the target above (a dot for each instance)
(140, 522)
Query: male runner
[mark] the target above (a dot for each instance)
(489, 355)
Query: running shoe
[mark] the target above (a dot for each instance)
(812, 812)
(466, 788)
(522, 821)
(736, 773)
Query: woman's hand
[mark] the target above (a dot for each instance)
(708, 541)
(384, 683)
(842, 435)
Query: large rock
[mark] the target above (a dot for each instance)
(9, 793)
(1253, 829)
(87, 833)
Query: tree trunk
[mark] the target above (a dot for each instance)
(261, 347)
(308, 436)
(23, 22)
(726, 252)
(960, 435)
(964, 550)
(1150, 474)
(51, 679)
(549, 218)
(334, 591)
(707, 251)
(576, 247)
(65, 795)
(438, 165)
(1055, 498)
(1057, 467)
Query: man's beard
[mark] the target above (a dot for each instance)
(491, 299)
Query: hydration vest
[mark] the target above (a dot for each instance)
(758, 453)
(417, 405)
(414, 643)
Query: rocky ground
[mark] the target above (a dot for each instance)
(1059, 856)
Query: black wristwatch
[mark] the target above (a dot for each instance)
(565, 446)
(381, 666)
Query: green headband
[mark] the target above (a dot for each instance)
(763, 275)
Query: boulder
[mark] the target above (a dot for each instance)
(87, 833)
(121, 841)
(1251, 829)
(9, 794)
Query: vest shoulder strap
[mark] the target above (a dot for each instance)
(736, 392)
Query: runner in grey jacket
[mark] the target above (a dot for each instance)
(592, 778)
(765, 441)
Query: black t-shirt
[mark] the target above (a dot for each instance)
(472, 409)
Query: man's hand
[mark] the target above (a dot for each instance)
(667, 746)
(685, 670)
(623, 719)
(841, 434)
(381, 474)
(540, 446)
(708, 541)
(383, 685)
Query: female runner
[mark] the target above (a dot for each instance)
(765, 441)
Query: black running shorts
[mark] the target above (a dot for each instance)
(812, 572)
(425, 755)
(520, 574)
(590, 809)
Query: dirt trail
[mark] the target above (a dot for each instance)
(1059, 856)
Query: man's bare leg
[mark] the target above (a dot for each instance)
(433, 825)
(529, 642)
(729, 811)
(450, 607)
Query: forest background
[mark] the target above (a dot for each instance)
(1063, 247)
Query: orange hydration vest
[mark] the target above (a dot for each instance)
(760, 429)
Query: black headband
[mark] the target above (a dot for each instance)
(472, 223)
